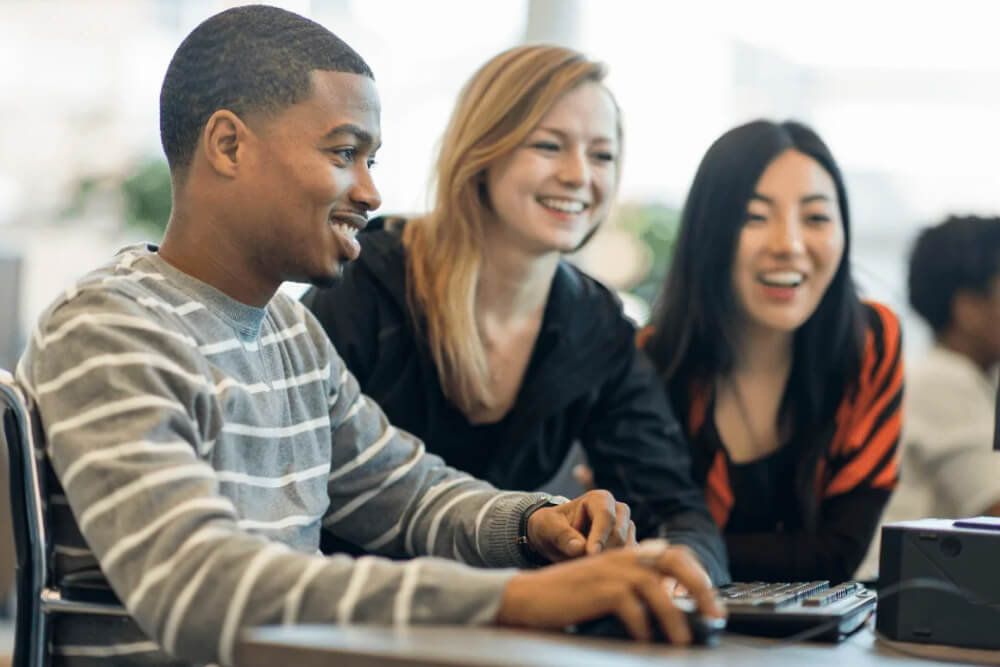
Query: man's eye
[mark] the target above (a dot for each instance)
(346, 154)
(604, 156)
(818, 218)
(372, 162)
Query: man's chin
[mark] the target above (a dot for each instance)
(327, 279)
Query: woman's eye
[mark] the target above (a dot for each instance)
(545, 146)
(604, 156)
(371, 162)
(818, 218)
(754, 217)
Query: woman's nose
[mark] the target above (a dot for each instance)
(574, 169)
(786, 236)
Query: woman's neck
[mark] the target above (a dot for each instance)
(762, 351)
(512, 284)
(748, 398)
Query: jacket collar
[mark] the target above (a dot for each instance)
(576, 312)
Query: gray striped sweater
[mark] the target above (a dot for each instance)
(202, 445)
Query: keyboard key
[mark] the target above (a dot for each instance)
(824, 598)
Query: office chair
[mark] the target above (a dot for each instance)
(39, 597)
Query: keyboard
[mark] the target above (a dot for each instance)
(787, 609)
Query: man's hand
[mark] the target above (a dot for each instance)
(587, 525)
(625, 582)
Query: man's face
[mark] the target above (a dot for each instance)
(307, 181)
(978, 320)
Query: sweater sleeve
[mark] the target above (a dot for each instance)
(123, 399)
(390, 496)
(638, 451)
(861, 472)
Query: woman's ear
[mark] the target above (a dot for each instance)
(483, 191)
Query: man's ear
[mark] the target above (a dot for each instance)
(224, 142)
(967, 310)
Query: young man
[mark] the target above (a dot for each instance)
(948, 466)
(205, 431)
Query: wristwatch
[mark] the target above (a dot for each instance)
(529, 554)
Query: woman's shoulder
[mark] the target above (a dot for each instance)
(581, 286)
(883, 334)
(880, 371)
(591, 313)
(880, 317)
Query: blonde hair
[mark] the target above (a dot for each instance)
(496, 111)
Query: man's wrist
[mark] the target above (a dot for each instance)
(523, 540)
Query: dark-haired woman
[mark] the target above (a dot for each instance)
(789, 386)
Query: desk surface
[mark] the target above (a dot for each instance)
(368, 646)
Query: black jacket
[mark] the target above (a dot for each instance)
(586, 382)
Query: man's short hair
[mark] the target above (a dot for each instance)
(247, 59)
(963, 252)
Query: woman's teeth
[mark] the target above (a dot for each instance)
(563, 205)
(782, 278)
(346, 230)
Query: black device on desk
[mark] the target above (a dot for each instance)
(946, 581)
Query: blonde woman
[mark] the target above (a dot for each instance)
(471, 331)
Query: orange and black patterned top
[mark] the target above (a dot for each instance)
(758, 505)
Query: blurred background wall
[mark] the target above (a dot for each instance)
(906, 93)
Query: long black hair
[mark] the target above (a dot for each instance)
(694, 322)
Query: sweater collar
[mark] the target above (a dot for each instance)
(245, 319)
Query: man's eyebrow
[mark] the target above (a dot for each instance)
(362, 135)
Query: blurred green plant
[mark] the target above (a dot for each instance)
(83, 191)
(146, 196)
(140, 197)
(655, 226)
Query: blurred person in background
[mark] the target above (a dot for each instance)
(948, 466)
(471, 331)
(789, 387)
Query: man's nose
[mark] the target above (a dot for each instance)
(364, 192)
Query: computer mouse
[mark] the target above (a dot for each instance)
(705, 630)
